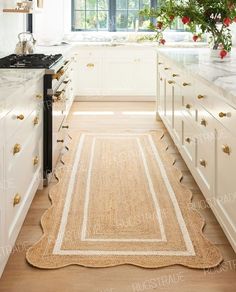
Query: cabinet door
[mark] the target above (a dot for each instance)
(169, 103)
(226, 177)
(88, 76)
(177, 113)
(161, 94)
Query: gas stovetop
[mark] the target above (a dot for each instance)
(34, 61)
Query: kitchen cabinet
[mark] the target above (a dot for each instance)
(201, 124)
(124, 72)
(21, 157)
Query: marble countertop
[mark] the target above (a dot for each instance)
(219, 75)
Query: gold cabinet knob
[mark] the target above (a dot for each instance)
(222, 115)
(186, 84)
(202, 162)
(188, 106)
(58, 75)
(16, 200)
(39, 96)
(161, 79)
(200, 96)
(166, 68)
(188, 140)
(36, 160)
(159, 63)
(90, 65)
(171, 82)
(60, 141)
(226, 149)
(36, 121)
(16, 149)
(65, 127)
(203, 122)
(20, 117)
(175, 75)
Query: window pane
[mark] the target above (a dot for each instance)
(79, 4)
(133, 4)
(144, 3)
(133, 20)
(121, 20)
(121, 4)
(144, 23)
(103, 20)
(91, 4)
(103, 4)
(79, 20)
(91, 20)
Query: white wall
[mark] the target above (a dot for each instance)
(10, 25)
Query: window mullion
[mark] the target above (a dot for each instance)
(112, 15)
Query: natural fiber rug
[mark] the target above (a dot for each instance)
(119, 200)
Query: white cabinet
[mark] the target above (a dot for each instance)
(116, 71)
(202, 125)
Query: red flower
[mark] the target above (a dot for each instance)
(162, 41)
(227, 21)
(159, 25)
(186, 19)
(172, 17)
(195, 38)
(223, 54)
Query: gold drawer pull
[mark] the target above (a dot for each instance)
(36, 160)
(159, 63)
(58, 75)
(161, 78)
(203, 122)
(175, 75)
(20, 117)
(188, 106)
(39, 96)
(186, 84)
(171, 82)
(200, 96)
(16, 149)
(16, 200)
(65, 127)
(188, 140)
(222, 115)
(60, 141)
(36, 121)
(202, 162)
(166, 68)
(226, 149)
(90, 65)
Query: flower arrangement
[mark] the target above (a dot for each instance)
(199, 17)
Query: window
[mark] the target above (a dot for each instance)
(111, 15)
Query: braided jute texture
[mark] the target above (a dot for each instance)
(119, 200)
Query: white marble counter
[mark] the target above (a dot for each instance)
(219, 75)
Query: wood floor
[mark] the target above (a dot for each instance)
(19, 276)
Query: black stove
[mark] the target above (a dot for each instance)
(31, 61)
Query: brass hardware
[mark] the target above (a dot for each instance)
(226, 149)
(222, 115)
(65, 127)
(58, 96)
(20, 117)
(186, 84)
(36, 160)
(202, 162)
(200, 96)
(161, 79)
(159, 63)
(36, 121)
(58, 75)
(60, 141)
(90, 65)
(203, 122)
(175, 75)
(39, 96)
(188, 106)
(188, 140)
(16, 200)
(167, 68)
(16, 149)
(171, 81)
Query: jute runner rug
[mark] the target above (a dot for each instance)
(119, 200)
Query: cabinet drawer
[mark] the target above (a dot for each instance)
(16, 144)
(222, 111)
(189, 140)
(21, 176)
